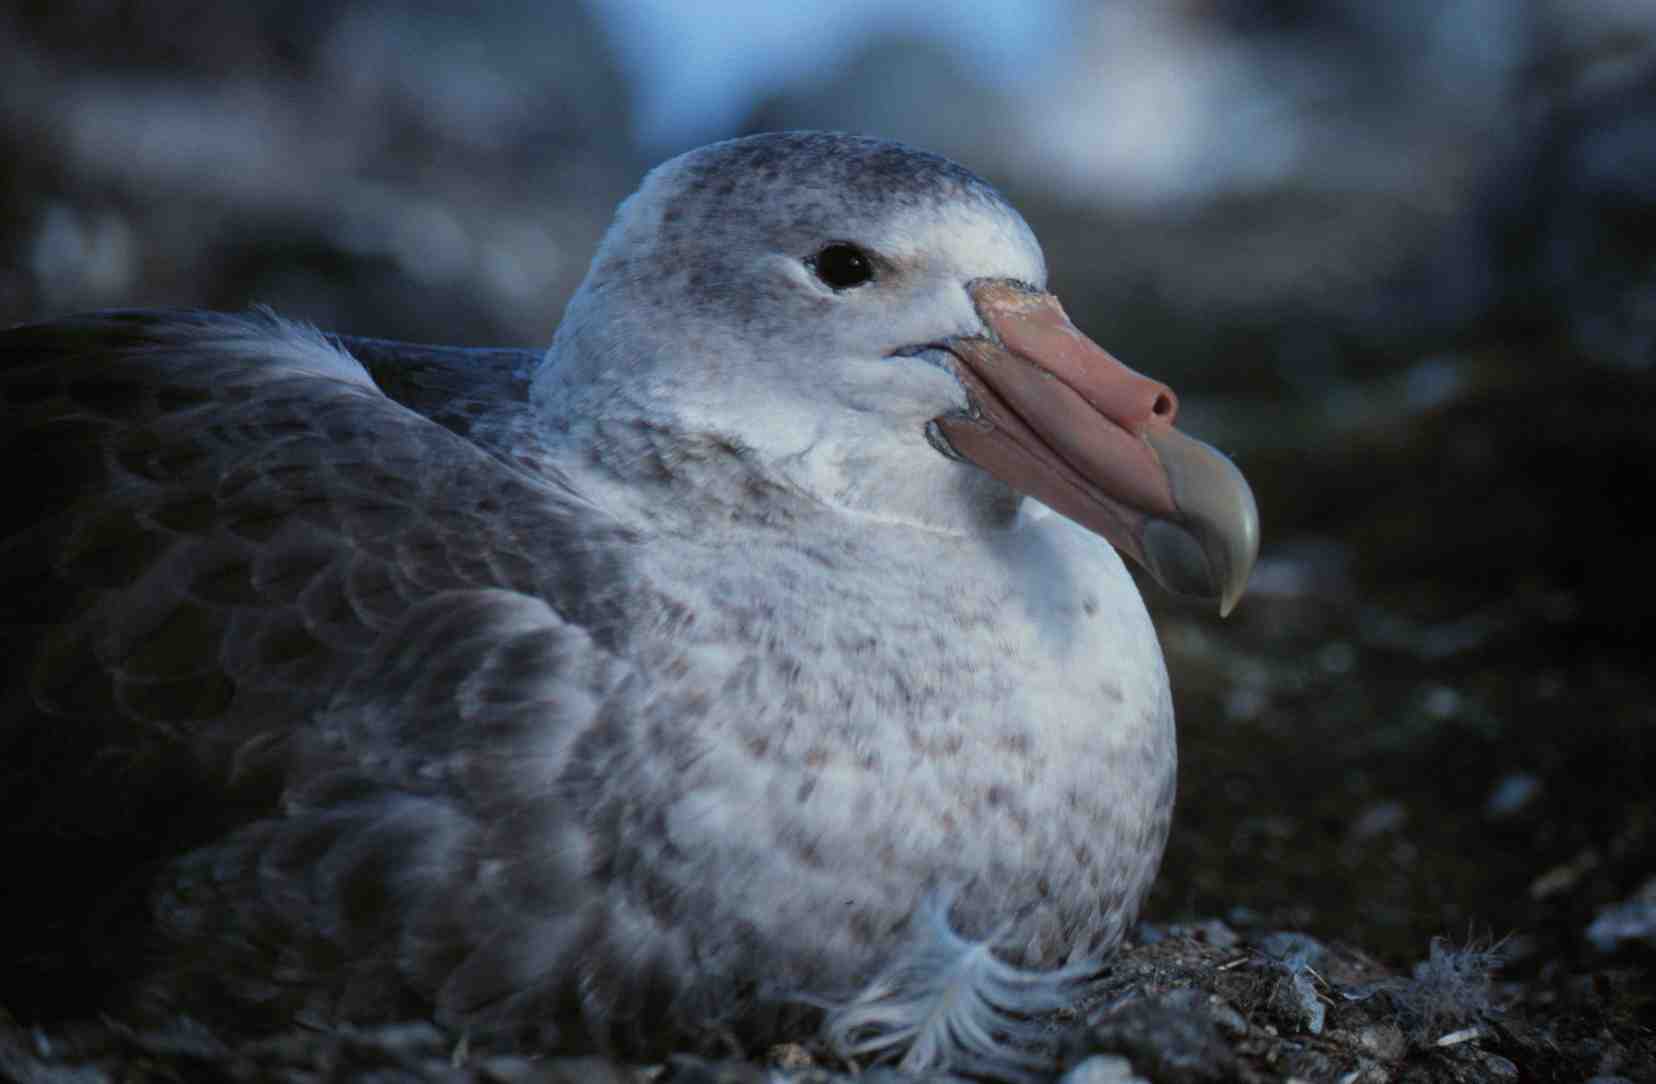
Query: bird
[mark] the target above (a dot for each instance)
(760, 654)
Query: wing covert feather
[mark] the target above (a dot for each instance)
(268, 619)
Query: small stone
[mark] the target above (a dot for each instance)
(1103, 1069)
(1227, 1019)
(1385, 1041)
(1634, 919)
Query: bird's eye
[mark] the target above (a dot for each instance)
(842, 265)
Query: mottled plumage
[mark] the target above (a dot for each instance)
(646, 691)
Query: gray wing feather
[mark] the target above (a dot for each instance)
(452, 386)
(288, 660)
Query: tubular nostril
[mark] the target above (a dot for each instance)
(1166, 407)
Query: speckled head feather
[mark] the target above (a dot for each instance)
(690, 245)
(805, 177)
(700, 311)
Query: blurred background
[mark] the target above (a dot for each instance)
(1398, 258)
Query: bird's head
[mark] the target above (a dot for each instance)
(873, 321)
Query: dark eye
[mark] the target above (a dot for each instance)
(842, 266)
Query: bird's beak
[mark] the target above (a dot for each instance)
(1056, 417)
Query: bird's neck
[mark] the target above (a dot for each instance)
(651, 468)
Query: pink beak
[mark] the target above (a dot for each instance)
(1059, 419)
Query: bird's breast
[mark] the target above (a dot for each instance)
(861, 725)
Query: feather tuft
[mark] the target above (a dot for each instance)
(947, 1003)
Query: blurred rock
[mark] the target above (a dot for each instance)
(413, 171)
(1511, 795)
(1633, 919)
